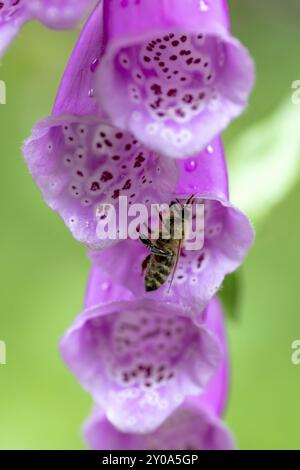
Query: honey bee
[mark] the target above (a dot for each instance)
(164, 253)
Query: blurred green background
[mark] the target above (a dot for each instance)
(43, 271)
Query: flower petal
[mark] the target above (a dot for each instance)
(83, 164)
(57, 14)
(188, 428)
(12, 17)
(53, 13)
(172, 74)
(194, 425)
(139, 359)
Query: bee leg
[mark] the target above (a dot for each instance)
(148, 243)
(145, 263)
(153, 249)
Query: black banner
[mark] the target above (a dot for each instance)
(136, 459)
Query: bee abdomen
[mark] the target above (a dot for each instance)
(157, 275)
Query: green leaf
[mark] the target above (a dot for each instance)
(230, 295)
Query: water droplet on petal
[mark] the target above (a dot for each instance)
(203, 5)
(94, 65)
(191, 165)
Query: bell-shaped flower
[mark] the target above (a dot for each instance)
(139, 359)
(172, 73)
(194, 425)
(219, 240)
(80, 160)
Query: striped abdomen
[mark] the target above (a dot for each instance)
(158, 271)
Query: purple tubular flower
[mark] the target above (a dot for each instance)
(80, 161)
(172, 74)
(138, 358)
(53, 13)
(228, 235)
(190, 427)
(194, 425)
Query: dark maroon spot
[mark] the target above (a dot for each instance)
(139, 160)
(119, 135)
(200, 260)
(185, 52)
(187, 98)
(95, 186)
(127, 185)
(106, 176)
(116, 194)
(116, 157)
(173, 57)
(172, 92)
(146, 58)
(156, 89)
(180, 113)
(183, 38)
(175, 43)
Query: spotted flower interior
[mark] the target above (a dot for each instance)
(172, 68)
(82, 165)
(141, 362)
(176, 90)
